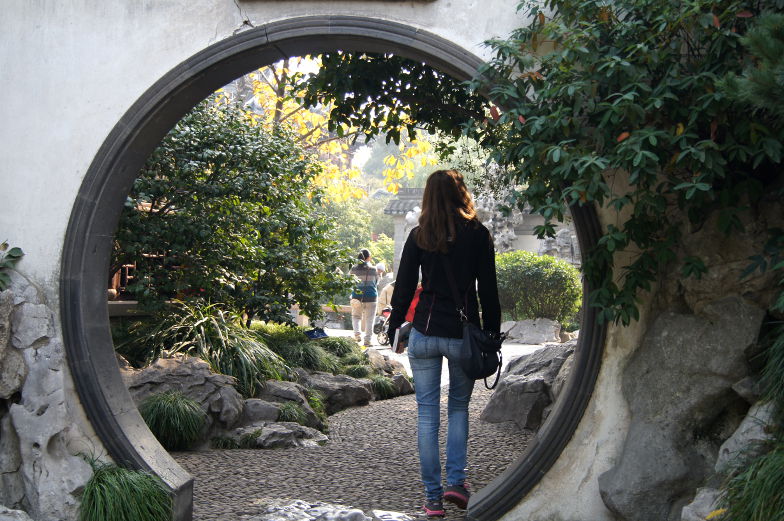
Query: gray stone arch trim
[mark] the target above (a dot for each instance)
(98, 205)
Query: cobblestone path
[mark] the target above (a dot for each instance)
(369, 463)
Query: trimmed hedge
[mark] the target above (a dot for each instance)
(537, 286)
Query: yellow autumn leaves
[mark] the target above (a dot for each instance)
(271, 98)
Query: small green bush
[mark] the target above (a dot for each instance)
(292, 412)
(176, 420)
(117, 494)
(357, 371)
(537, 286)
(383, 386)
(339, 346)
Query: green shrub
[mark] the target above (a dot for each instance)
(357, 371)
(292, 412)
(214, 335)
(176, 420)
(534, 286)
(339, 346)
(224, 442)
(117, 494)
(383, 386)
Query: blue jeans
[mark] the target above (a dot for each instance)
(424, 353)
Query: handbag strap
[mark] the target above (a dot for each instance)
(453, 286)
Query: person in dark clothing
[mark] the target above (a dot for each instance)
(449, 236)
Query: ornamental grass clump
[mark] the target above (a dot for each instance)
(383, 386)
(339, 346)
(176, 420)
(216, 336)
(293, 346)
(292, 412)
(756, 491)
(357, 371)
(117, 494)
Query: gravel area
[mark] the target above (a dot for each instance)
(369, 463)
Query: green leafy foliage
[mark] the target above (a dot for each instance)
(226, 210)
(118, 494)
(358, 358)
(292, 412)
(8, 260)
(357, 370)
(760, 86)
(620, 105)
(339, 346)
(291, 344)
(216, 336)
(533, 286)
(387, 94)
(383, 386)
(176, 420)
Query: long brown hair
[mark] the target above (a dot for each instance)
(446, 199)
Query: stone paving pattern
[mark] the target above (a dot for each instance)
(369, 463)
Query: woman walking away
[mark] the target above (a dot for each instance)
(449, 242)
(364, 296)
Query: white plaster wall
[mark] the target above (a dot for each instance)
(69, 70)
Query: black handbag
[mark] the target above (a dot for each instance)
(481, 349)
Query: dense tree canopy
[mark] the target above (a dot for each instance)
(225, 210)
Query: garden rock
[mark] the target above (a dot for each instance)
(678, 385)
(13, 369)
(748, 438)
(279, 435)
(535, 331)
(279, 391)
(256, 410)
(703, 504)
(526, 389)
(340, 391)
(191, 376)
(748, 389)
(307, 511)
(402, 385)
(384, 364)
(6, 514)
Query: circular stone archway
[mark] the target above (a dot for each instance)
(97, 209)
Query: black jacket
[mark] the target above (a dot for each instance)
(471, 257)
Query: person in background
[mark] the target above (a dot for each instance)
(449, 239)
(385, 297)
(364, 296)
